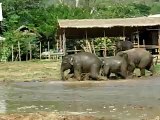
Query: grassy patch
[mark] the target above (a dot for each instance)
(30, 70)
(157, 68)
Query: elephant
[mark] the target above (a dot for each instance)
(65, 65)
(139, 58)
(115, 64)
(80, 63)
(123, 45)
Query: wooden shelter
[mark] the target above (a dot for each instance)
(145, 29)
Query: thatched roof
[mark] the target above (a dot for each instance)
(108, 23)
(77, 28)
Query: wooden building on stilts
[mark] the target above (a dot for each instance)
(143, 31)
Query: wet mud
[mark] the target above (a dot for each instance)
(137, 99)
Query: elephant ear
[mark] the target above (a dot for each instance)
(123, 54)
(120, 53)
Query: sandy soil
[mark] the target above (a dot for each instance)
(54, 116)
(47, 116)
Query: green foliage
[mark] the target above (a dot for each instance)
(155, 8)
(12, 39)
(42, 16)
(142, 8)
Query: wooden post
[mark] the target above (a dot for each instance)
(19, 51)
(87, 48)
(138, 39)
(64, 43)
(57, 46)
(40, 50)
(60, 41)
(137, 36)
(94, 51)
(12, 54)
(123, 33)
(30, 51)
(49, 50)
(88, 44)
(75, 48)
(105, 47)
(159, 40)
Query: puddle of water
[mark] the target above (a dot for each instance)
(134, 99)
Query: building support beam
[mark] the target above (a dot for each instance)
(159, 40)
(64, 42)
(105, 47)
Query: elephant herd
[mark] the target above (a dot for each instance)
(85, 65)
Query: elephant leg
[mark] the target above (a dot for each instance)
(142, 71)
(71, 71)
(108, 75)
(94, 72)
(142, 67)
(62, 75)
(131, 69)
(77, 72)
(106, 71)
(151, 69)
(123, 72)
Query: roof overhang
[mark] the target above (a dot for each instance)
(75, 29)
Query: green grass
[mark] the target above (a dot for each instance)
(157, 68)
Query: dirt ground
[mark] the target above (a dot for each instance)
(31, 70)
(54, 116)
(47, 116)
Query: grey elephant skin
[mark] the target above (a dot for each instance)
(115, 64)
(139, 58)
(82, 62)
(123, 45)
(66, 65)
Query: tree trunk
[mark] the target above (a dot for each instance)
(77, 3)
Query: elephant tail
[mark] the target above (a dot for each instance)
(155, 57)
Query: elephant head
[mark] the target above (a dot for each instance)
(123, 55)
(67, 64)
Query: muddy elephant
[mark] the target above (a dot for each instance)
(65, 65)
(115, 64)
(123, 45)
(82, 62)
(139, 58)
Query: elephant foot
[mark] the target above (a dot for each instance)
(69, 76)
(85, 77)
(151, 74)
(102, 78)
(131, 76)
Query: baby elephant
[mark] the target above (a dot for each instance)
(115, 64)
